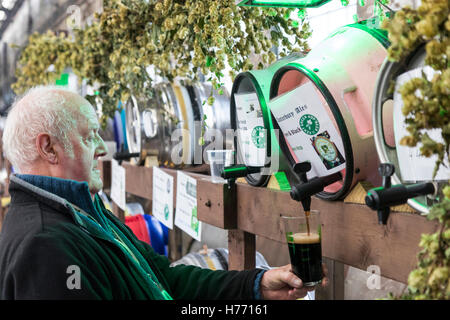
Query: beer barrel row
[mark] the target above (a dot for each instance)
(168, 125)
(340, 73)
(328, 107)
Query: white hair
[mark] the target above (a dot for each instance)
(43, 109)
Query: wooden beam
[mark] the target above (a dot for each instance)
(350, 232)
(105, 172)
(119, 213)
(241, 250)
(216, 203)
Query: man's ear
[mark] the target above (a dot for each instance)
(46, 148)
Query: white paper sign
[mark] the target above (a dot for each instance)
(309, 131)
(186, 206)
(251, 131)
(413, 166)
(162, 204)
(118, 184)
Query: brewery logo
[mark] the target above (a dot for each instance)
(325, 148)
(309, 124)
(194, 220)
(166, 212)
(259, 137)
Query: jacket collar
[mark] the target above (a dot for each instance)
(78, 215)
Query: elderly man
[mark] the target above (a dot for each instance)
(57, 228)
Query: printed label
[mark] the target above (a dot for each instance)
(250, 129)
(118, 184)
(162, 204)
(186, 206)
(309, 131)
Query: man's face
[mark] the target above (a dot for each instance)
(87, 146)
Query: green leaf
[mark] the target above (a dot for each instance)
(209, 61)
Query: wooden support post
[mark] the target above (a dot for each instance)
(241, 250)
(216, 203)
(119, 213)
(336, 277)
(105, 173)
(175, 244)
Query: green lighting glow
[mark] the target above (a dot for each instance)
(63, 81)
(284, 3)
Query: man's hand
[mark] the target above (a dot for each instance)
(282, 284)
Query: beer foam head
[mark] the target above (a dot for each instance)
(304, 238)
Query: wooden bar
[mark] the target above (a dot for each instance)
(118, 212)
(138, 180)
(216, 203)
(350, 232)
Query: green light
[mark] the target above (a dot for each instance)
(63, 81)
(284, 3)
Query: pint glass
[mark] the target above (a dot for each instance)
(304, 243)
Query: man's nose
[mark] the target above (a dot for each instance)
(102, 148)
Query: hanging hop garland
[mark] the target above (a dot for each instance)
(181, 39)
(427, 106)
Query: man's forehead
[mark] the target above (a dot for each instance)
(89, 114)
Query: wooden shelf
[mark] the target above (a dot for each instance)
(350, 232)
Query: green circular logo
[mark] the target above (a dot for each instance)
(194, 220)
(259, 137)
(166, 212)
(325, 148)
(309, 124)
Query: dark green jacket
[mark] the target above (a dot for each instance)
(42, 243)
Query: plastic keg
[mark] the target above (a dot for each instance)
(336, 79)
(251, 120)
(413, 168)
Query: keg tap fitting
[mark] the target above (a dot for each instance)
(124, 155)
(382, 198)
(231, 173)
(303, 191)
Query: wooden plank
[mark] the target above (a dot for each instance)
(335, 289)
(241, 250)
(138, 180)
(216, 203)
(105, 172)
(350, 232)
(119, 213)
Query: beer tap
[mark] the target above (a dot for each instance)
(124, 155)
(231, 173)
(382, 198)
(304, 190)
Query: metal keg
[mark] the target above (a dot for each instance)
(387, 137)
(335, 80)
(249, 115)
(168, 124)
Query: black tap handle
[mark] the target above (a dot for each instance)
(125, 155)
(301, 169)
(380, 198)
(302, 191)
(386, 170)
(236, 171)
